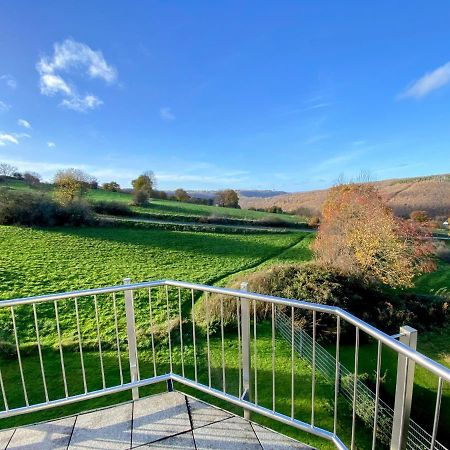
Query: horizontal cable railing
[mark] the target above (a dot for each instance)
(64, 348)
(417, 438)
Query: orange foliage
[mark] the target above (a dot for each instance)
(360, 236)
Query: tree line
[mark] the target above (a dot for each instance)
(72, 184)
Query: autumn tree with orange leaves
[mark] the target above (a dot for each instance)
(360, 236)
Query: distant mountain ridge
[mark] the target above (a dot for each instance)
(403, 195)
(244, 193)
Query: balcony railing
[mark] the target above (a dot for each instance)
(140, 323)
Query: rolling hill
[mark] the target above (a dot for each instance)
(430, 193)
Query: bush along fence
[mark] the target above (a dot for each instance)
(366, 410)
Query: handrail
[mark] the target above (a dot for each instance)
(386, 339)
(248, 383)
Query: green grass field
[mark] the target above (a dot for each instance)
(37, 261)
(173, 208)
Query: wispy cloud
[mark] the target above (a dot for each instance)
(428, 83)
(70, 56)
(24, 123)
(4, 107)
(9, 80)
(51, 144)
(6, 139)
(166, 113)
(82, 104)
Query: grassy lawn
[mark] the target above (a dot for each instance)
(302, 380)
(36, 261)
(173, 208)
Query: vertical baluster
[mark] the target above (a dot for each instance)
(313, 379)
(238, 307)
(337, 373)
(99, 342)
(292, 363)
(273, 357)
(116, 323)
(193, 336)
(41, 362)
(133, 356)
(181, 331)
(19, 359)
(168, 329)
(152, 337)
(207, 337)
(80, 345)
(437, 412)
(255, 352)
(355, 385)
(223, 346)
(377, 397)
(61, 355)
(5, 400)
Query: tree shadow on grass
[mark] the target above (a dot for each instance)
(194, 242)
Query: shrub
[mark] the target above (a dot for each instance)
(419, 216)
(140, 198)
(272, 222)
(32, 178)
(313, 283)
(112, 186)
(314, 222)
(112, 208)
(443, 252)
(25, 208)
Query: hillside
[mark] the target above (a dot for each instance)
(431, 194)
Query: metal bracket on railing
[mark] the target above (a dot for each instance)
(246, 361)
(403, 391)
(131, 336)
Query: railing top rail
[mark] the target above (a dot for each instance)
(386, 339)
(80, 293)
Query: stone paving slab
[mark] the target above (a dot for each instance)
(229, 434)
(159, 416)
(203, 414)
(164, 421)
(183, 441)
(5, 437)
(108, 428)
(53, 435)
(271, 440)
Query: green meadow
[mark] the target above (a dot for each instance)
(38, 261)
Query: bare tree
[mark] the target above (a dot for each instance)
(7, 170)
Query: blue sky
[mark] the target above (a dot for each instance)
(264, 95)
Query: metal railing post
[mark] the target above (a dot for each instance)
(246, 361)
(403, 391)
(131, 336)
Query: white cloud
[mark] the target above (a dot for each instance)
(51, 144)
(9, 80)
(82, 104)
(166, 113)
(54, 84)
(4, 107)
(24, 123)
(429, 82)
(70, 56)
(6, 138)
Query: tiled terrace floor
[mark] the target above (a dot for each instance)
(164, 421)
